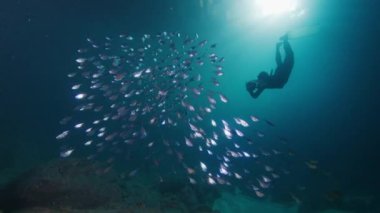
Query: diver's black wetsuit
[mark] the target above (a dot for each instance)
(280, 76)
(284, 68)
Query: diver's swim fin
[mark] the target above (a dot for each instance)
(284, 37)
(302, 32)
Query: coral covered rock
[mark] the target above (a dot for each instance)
(63, 183)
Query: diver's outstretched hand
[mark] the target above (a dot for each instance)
(251, 85)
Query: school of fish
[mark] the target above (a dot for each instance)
(151, 100)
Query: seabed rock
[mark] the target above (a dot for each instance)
(61, 185)
(81, 186)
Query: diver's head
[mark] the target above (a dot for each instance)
(263, 76)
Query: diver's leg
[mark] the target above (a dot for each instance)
(288, 64)
(278, 55)
(288, 48)
(289, 55)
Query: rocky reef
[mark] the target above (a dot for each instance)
(73, 185)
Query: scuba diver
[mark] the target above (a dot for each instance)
(279, 78)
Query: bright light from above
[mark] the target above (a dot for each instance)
(276, 7)
(258, 15)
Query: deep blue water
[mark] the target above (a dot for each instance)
(328, 111)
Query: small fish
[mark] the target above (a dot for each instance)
(223, 170)
(80, 96)
(295, 198)
(238, 176)
(65, 120)
(82, 50)
(76, 86)
(260, 134)
(190, 171)
(80, 125)
(215, 82)
(259, 194)
(66, 153)
(241, 122)
(88, 143)
(266, 179)
(188, 142)
(203, 167)
(211, 181)
(133, 173)
(239, 133)
(143, 132)
(71, 75)
(263, 184)
(269, 123)
(312, 164)
(226, 125)
(80, 60)
(192, 180)
(254, 119)
(196, 91)
(268, 168)
(227, 133)
(211, 100)
(62, 135)
(219, 73)
(223, 98)
(246, 154)
(202, 43)
(137, 74)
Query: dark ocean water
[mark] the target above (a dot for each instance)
(328, 111)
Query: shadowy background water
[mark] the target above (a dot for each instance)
(328, 111)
